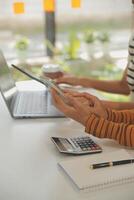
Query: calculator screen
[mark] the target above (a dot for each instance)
(63, 144)
(58, 142)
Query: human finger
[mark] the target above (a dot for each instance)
(60, 103)
(76, 103)
(86, 96)
(71, 92)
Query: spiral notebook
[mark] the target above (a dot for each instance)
(78, 169)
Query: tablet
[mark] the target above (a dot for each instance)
(49, 83)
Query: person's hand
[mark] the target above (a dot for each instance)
(71, 80)
(80, 97)
(74, 109)
(96, 106)
(77, 110)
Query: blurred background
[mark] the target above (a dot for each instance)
(89, 41)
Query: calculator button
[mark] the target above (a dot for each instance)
(84, 149)
(93, 147)
(89, 148)
(84, 144)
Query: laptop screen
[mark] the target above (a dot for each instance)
(7, 84)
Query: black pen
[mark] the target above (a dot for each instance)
(111, 163)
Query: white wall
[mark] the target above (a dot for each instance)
(94, 8)
(88, 7)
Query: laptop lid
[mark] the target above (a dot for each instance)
(7, 85)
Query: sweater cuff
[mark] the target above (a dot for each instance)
(109, 114)
(89, 122)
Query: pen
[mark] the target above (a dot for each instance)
(111, 163)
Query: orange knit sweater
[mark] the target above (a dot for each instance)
(118, 126)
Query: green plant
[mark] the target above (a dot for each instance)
(71, 50)
(103, 37)
(89, 36)
(52, 48)
(22, 44)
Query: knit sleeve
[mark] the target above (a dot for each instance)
(125, 116)
(99, 127)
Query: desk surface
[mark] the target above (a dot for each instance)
(28, 161)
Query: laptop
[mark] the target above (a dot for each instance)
(25, 104)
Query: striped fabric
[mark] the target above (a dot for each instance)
(118, 126)
(130, 69)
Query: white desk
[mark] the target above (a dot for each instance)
(28, 161)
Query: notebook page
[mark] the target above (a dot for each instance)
(78, 169)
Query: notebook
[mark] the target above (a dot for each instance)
(78, 169)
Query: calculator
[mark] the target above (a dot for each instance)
(77, 145)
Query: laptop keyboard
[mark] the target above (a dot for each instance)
(31, 103)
